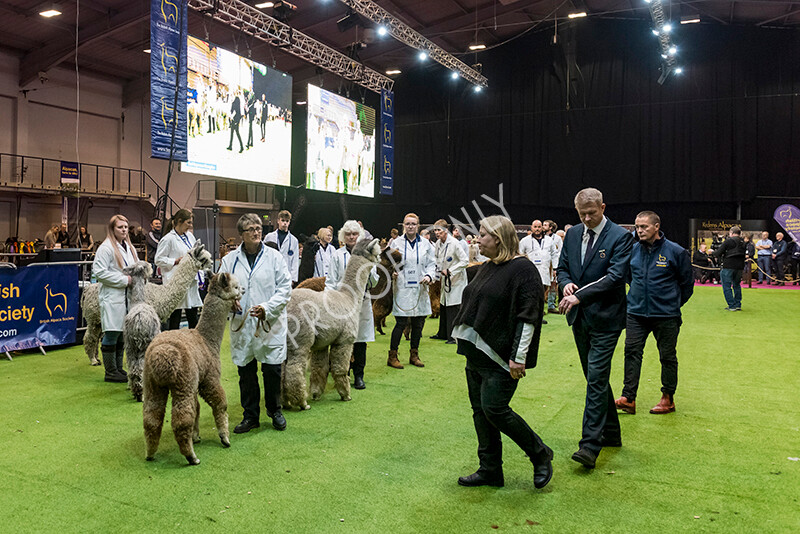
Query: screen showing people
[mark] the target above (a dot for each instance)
(239, 117)
(341, 144)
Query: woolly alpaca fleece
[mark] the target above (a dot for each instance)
(186, 363)
(382, 305)
(322, 320)
(164, 299)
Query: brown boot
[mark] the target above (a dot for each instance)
(665, 405)
(414, 359)
(393, 361)
(625, 405)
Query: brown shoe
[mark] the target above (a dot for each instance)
(414, 359)
(665, 405)
(393, 361)
(625, 405)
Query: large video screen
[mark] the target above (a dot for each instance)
(239, 117)
(341, 144)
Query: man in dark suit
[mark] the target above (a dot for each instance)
(236, 117)
(592, 271)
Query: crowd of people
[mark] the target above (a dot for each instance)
(495, 291)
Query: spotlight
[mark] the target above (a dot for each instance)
(647, 1)
(146, 50)
(477, 46)
(301, 102)
(382, 31)
(655, 32)
(664, 56)
(264, 5)
(454, 75)
(282, 10)
(423, 56)
(667, 27)
(478, 89)
(678, 70)
(577, 15)
(673, 50)
(690, 19)
(50, 10)
(393, 71)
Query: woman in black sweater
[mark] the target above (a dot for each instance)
(498, 329)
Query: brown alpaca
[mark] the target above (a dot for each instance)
(382, 306)
(315, 284)
(186, 363)
(435, 293)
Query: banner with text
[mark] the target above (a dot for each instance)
(38, 306)
(788, 217)
(386, 162)
(168, 58)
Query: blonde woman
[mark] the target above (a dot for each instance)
(498, 329)
(171, 248)
(322, 260)
(114, 254)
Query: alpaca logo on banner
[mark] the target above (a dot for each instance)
(59, 301)
(788, 216)
(387, 142)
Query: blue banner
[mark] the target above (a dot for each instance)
(386, 134)
(788, 216)
(38, 306)
(70, 172)
(168, 59)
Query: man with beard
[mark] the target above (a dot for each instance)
(541, 250)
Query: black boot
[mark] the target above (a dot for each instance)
(120, 357)
(359, 362)
(110, 363)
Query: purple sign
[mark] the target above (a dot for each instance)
(788, 217)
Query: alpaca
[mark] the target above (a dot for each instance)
(308, 257)
(164, 298)
(186, 363)
(382, 306)
(318, 321)
(435, 293)
(141, 325)
(315, 284)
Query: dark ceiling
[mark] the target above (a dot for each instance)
(112, 34)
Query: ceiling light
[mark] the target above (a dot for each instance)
(264, 5)
(146, 50)
(423, 56)
(655, 32)
(690, 19)
(678, 70)
(478, 89)
(577, 15)
(477, 46)
(393, 71)
(50, 10)
(300, 102)
(673, 50)
(382, 30)
(454, 75)
(667, 27)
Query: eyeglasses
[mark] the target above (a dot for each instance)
(410, 224)
(254, 230)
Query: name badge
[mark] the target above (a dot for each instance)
(411, 276)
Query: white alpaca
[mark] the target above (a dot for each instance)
(163, 298)
(319, 320)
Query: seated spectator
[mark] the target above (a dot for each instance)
(700, 260)
(51, 237)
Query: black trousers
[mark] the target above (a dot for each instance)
(235, 130)
(174, 321)
(595, 349)
(250, 133)
(447, 316)
(417, 323)
(665, 330)
(777, 267)
(359, 359)
(490, 390)
(250, 393)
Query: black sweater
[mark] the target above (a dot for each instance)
(732, 252)
(498, 300)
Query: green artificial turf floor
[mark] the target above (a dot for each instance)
(72, 451)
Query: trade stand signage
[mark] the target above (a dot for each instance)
(168, 58)
(38, 306)
(788, 217)
(386, 162)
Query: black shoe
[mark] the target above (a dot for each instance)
(543, 472)
(615, 441)
(437, 336)
(246, 426)
(552, 310)
(544, 322)
(115, 378)
(479, 479)
(450, 342)
(278, 421)
(358, 383)
(585, 457)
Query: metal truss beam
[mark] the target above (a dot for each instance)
(252, 21)
(407, 35)
(668, 61)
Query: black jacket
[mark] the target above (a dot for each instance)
(732, 252)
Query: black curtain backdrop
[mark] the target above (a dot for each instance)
(703, 145)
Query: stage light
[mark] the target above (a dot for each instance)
(50, 10)
(454, 75)
(655, 32)
(393, 71)
(690, 19)
(146, 50)
(577, 15)
(647, 1)
(477, 46)
(478, 89)
(667, 27)
(382, 31)
(423, 56)
(673, 50)
(264, 5)
(664, 56)
(678, 70)
(301, 103)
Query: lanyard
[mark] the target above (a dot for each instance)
(252, 269)
(189, 246)
(124, 253)
(416, 246)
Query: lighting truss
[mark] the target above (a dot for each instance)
(406, 35)
(668, 61)
(252, 21)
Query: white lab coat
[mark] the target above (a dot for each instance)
(268, 285)
(170, 248)
(411, 299)
(113, 302)
(322, 260)
(559, 244)
(333, 281)
(465, 247)
(450, 255)
(541, 255)
(290, 250)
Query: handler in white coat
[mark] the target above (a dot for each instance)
(114, 254)
(258, 328)
(171, 249)
(451, 265)
(350, 234)
(287, 243)
(541, 250)
(410, 286)
(322, 260)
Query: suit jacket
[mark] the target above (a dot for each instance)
(600, 279)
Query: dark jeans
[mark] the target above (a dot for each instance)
(763, 265)
(174, 321)
(416, 331)
(731, 287)
(778, 267)
(447, 316)
(665, 330)
(250, 394)
(359, 359)
(595, 349)
(490, 390)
